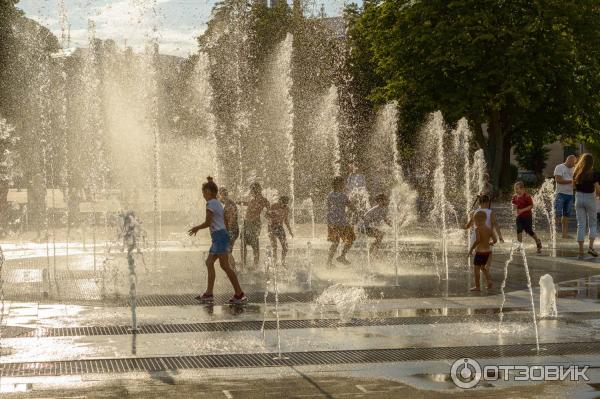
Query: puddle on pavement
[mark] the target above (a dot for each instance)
(583, 288)
(15, 388)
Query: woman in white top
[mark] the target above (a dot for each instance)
(215, 220)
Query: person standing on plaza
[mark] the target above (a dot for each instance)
(231, 221)
(338, 226)
(219, 249)
(252, 223)
(585, 182)
(564, 197)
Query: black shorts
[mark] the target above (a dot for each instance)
(524, 224)
(481, 258)
(370, 231)
(234, 234)
(251, 233)
(277, 232)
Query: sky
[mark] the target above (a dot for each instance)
(131, 22)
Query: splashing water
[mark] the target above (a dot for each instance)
(462, 145)
(537, 337)
(519, 246)
(547, 297)
(309, 261)
(1, 300)
(327, 128)
(403, 198)
(268, 267)
(479, 169)
(309, 206)
(203, 103)
(130, 237)
(284, 123)
(544, 203)
(344, 298)
(503, 285)
(271, 267)
(440, 208)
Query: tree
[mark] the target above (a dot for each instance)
(513, 68)
(532, 155)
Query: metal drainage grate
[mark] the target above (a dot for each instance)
(155, 364)
(252, 325)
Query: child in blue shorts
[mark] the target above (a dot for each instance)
(215, 219)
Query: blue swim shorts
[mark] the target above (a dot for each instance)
(564, 204)
(220, 242)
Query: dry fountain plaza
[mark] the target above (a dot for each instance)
(368, 329)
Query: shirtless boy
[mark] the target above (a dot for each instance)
(252, 223)
(481, 246)
(279, 214)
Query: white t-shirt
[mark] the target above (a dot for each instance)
(566, 173)
(218, 214)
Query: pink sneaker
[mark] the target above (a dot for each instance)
(206, 298)
(238, 299)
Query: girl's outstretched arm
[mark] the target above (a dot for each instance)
(204, 225)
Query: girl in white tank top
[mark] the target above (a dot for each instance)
(484, 206)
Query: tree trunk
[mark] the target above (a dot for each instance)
(505, 170)
(495, 152)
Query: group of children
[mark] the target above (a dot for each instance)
(222, 220)
(339, 227)
(486, 231)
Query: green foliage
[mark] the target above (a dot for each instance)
(532, 155)
(527, 68)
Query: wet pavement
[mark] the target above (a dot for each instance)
(78, 311)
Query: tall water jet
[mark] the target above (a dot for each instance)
(327, 130)
(403, 198)
(130, 239)
(437, 129)
(479, 170)
(544, 203)
(94, 166)
(152, 53)
(508, 261)
(40, 181)
(530, 288)
(203, 100)
(283, 116)
(462, 146)
(2, 304)
(61, 56)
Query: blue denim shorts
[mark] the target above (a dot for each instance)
(563, 204)
(220, 242)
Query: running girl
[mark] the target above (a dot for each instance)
(215, 220)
